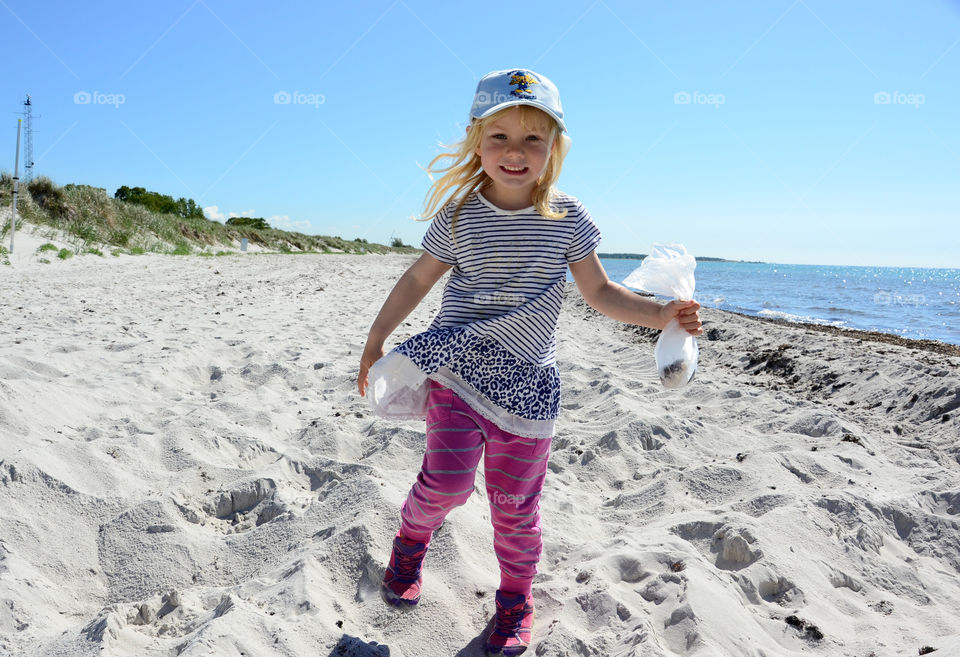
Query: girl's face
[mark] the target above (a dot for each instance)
(514, 154)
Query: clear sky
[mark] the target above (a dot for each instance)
(813, 131)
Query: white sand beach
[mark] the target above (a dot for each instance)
(187, 469)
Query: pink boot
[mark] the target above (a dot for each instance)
(513, 626)
(402, 579)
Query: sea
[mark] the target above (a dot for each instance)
(914, 303)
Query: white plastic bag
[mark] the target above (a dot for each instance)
(668, 271)
(398, 388)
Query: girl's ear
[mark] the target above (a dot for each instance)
(564, 145)
(476, 151)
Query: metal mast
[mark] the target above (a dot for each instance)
(28, 140)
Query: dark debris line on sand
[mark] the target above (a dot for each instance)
(933, 346)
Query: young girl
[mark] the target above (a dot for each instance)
(486, 366)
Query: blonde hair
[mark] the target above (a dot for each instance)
(463, 175)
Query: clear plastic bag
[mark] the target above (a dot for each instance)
(398, 389)
(668, 271)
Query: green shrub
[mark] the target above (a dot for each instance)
(182, 249)
(95, 252)
(257, 223)
(85, 232)
(69, 187)
(137, 250)
(49, 197)
(160, 203)
(65, 254)
(47, 247)
(397, 243)
(119, 237)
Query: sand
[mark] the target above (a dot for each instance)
(186, 469)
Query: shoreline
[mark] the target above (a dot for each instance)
(933, 346)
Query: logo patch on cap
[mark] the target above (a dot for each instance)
(523, 82)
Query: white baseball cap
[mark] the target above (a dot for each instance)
(501, 89)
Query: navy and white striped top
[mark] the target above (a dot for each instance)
(494, 339)
(510, 269)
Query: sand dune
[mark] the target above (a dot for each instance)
(186, 469)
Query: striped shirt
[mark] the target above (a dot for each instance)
(509, 270)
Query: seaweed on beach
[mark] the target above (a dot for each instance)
(809, 630)
(772, 361)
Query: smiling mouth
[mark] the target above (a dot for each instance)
(514, 171)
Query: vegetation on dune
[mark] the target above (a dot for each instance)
(160, 203)
(136, 221)
(253, 222)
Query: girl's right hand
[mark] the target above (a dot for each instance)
(371, 354)
(687, 314)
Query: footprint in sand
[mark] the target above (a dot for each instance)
(245, 506)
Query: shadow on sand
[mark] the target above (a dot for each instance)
(477, 647)
(351, 646)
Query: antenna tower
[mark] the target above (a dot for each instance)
(28, 140)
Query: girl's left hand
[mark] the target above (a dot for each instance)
(372, 352)
(687, 314)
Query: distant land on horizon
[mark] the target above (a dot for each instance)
(641, 256)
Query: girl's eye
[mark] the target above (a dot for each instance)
(499, 136)
(533, 138)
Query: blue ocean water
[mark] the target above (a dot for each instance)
(909, 302)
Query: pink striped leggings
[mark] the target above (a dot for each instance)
(514, 469)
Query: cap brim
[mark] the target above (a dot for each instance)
(514, 103)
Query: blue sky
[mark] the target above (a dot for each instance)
(794, 131)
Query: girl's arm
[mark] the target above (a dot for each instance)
(621, 304)
(405, 296)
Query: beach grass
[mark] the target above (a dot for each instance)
(94, 221)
